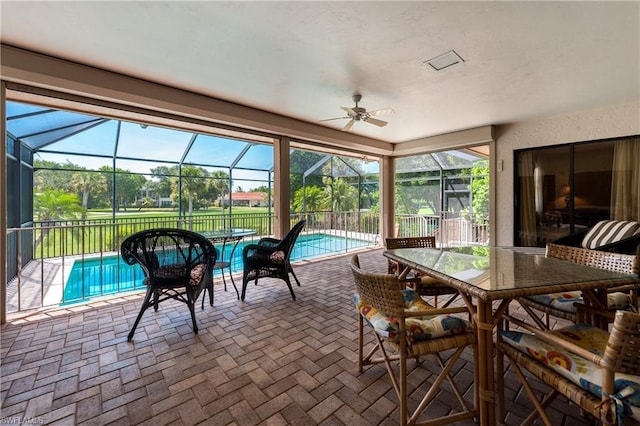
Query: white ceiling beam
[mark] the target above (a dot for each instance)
(455, 140)
(29, 68)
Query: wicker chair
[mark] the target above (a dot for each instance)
(177, 264)
(424, 285)
(603, 380)
(402, 322)
(625, 297)
(271, 258)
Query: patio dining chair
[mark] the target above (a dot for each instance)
(596, 370)
(271, 257)
(177, 264)
(563, 305)
(402, 323)
(425, 286)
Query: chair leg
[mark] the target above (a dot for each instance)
(208, 288)
(539, 406)
(399, 383)
(156, 299)
(191, 302)
(145, 304)
(403, 388)
(244, 285)
(288, 281)
(435, 388)
(294, 275)
(360, 342)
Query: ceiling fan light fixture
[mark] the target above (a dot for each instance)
(445, 60)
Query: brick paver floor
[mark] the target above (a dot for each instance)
(268, 360)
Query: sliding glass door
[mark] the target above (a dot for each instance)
(562, 190)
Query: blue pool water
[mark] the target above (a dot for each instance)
(93, 277)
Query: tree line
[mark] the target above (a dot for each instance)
(69, 190)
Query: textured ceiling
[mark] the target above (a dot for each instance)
(523, 60)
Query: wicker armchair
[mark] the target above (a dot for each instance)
(271, 258)
(177, 264)
(424, 285)
(596, 370)
(402, 322)
(562, 305)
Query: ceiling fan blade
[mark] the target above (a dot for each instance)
(349, 125)
(376, 122)
(337, 118)
(349, 110)
(384, 111)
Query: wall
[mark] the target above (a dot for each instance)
(615, 121)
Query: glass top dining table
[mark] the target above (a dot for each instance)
(495, 273)
(227, 234)
(485, 275)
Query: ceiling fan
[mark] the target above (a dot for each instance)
(357, 113)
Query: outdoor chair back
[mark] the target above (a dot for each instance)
(563, 305)
(177, 264)
(425, 286)
(271, 257)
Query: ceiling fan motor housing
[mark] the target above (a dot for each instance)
(359, 112)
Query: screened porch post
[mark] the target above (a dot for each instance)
(282, 181)
(3, 205)
(270, 200)
(387, 196)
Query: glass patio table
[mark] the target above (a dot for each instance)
(500, 274)
(232, 236)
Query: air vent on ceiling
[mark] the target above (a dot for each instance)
(444, 61)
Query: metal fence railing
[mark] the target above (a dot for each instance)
(43, 259)
(449, 230)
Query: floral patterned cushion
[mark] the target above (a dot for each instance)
(576, 369)
(174, 272)
(277, 257)
(196, 274)
(565, 301)
(418, 328)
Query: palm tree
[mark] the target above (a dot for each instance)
(55, 204)
(343, 196)
(85, 182)
(221, 183)
(193, 184)
(310, 199)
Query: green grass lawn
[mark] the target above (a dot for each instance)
(107, 235)
(425, 211)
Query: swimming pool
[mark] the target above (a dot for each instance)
(108, 275)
